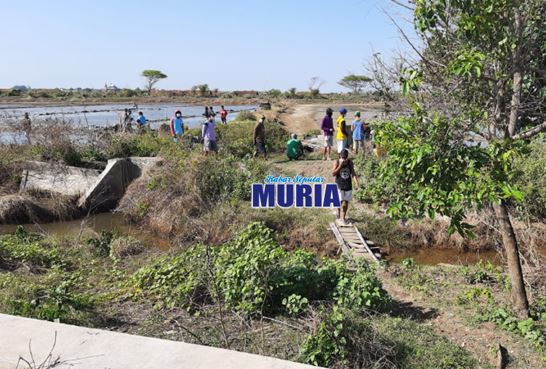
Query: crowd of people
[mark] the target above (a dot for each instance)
(356, 135)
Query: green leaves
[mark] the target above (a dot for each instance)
(468, 64)
(432, 169)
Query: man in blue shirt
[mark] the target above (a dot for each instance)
(142, 122)
(177, 126)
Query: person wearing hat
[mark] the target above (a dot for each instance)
(177, 125)
(327, 127)
(358, 133)
(294, 148)
(259, 138)
(342, 131)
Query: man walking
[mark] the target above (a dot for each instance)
(259, 138)
(341, 135)
(208, 131)
(344, 173)
(177, 126)
(327, 127)
(223, 114)
(142, 122)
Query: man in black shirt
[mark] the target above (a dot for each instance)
(344, 172)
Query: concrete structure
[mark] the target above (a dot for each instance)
(61, 179)
(113, 181)
(85, 348)
(97, 190)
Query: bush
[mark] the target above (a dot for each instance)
(236, 137)
(531, 179)
(246, 115)
(26, 248)
(253, 274)
(123, 145)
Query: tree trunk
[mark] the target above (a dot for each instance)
(517, 78)
(519, 296)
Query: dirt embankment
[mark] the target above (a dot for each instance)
(306, 117)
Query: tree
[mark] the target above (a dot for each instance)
(481, 75)
(314, 84)
(354, 82)
(202, 89)
(152, 77)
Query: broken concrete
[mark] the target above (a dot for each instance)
(86, 348)
(55, 178)
(97, 190)
(109, 188)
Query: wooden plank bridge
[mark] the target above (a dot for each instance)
(353, 244)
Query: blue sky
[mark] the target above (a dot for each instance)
(239, 44)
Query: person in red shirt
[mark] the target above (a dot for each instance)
(223, 114)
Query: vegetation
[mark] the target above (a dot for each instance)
(152, 76)
(355, 82)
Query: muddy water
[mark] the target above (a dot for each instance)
(446, 256)
(88, 227)
(115, 222)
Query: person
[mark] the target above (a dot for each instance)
(223, 114)
(206, 114)
(211, 111)
(358, 132)
(208, 131)
(294, 148)
(26, 126)
(142, 122)
(327, 127)
(341, 135)
(367, 138)
(177, 125)
(128, 121)
(259, 138)
(344, 173)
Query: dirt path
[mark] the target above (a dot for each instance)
(479, 338)
(303, 118)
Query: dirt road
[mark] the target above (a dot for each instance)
(301, 119)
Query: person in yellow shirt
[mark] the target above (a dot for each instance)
(342, 131)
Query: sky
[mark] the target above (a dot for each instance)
(230, 45)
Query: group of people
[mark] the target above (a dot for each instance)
(208, 129)
(127, 120)
(358, 133)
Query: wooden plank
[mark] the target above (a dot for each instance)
(339, 239)
(366, 245)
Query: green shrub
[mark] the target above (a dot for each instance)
(27, 248)
(101, 245)
(122, 146)
(236, 137)
(54, 298)
(531, 179)
(245, 116)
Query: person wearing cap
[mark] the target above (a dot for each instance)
(259, 138)
(327, 127)
(294, 148)
(358, 133)
(208, 132)
(344, 172)
(177, 126)
(342, 131)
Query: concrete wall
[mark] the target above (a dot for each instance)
(61, 179)
(110, 186)
(85, 348)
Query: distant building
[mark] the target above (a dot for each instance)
(21, 88)
(110, 87)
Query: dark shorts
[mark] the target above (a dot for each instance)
(260, 147)
(210, 145)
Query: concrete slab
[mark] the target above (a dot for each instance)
(61, 179)
(113, 181)
(86, 348)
